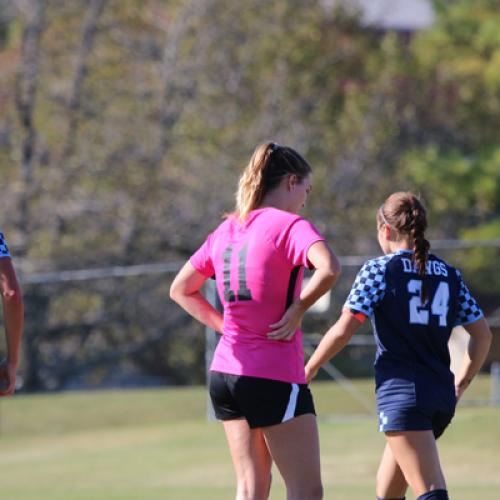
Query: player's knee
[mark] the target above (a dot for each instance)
(252, 490)
(318, 493)
(380, 480)
(386, 491)
(434, 495)
(309, 492)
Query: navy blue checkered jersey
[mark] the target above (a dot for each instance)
(412, 364)
(4, 250)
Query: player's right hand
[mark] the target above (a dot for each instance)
(7, 378)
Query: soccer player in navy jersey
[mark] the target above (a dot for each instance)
(13, 312)
(414, 299)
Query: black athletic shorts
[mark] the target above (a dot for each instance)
(262, 402)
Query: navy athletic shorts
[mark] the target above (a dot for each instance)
(262, 402)
(413, 419)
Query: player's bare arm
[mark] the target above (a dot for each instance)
(335, 339)
(327, 270)
(475, 355)
(185, 290)
(13, 309)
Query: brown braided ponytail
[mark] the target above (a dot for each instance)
(269, 163)
(406, 213)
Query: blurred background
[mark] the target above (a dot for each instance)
(124, 126)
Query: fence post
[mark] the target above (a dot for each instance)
(211, 341)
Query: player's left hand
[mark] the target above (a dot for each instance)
(7, 378)
(460, 388)
(310, 373)
(286, 327)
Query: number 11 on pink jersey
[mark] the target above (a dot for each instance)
(243, 292)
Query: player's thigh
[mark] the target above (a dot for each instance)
(417, 455)
(391, 482)
(294, 446)
(249, 452)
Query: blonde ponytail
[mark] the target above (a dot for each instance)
(269, 163)
(249, 194)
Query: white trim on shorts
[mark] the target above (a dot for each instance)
(292, 404)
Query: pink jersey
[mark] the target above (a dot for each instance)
(258, 267)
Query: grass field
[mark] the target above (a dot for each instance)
(157, 444)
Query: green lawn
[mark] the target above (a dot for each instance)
(157, 444)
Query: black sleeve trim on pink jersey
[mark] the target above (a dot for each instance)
(291, 286)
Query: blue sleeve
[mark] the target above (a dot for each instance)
(4, 250)
(468, 310)
(368, 288)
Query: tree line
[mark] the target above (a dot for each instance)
(124, 126)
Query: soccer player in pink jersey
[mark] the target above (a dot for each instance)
(257, 380)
